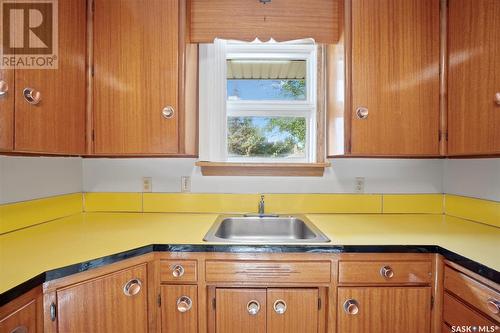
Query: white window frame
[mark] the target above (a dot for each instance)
(215, 108)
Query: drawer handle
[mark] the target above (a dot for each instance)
(168, 112)
(184, 304)
(132, 287)
(387, 272)
(53, 311)
(20, 329)
(279, 306)
(497, 98)
(177, 271)
(32, 96)
(362, 113)
(4, 88)
(493, 305)
(351, 307)
(253, 307)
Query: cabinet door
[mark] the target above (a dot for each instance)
(136, 77)
(112, 303)
(22, 320)
(240, 310)
(6, 109)
(474, 77)
(57, 123)
(384, 309)
(292, 310)
(395, 76)
(179, 309)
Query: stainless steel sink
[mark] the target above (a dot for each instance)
(264, 229)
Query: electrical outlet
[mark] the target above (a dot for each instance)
(147, 184)
(359, 185)
(185, 184)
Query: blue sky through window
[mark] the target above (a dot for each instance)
(259, 90)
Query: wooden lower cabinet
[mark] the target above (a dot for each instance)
(383, 309)
(273, 310)
(179, 309)
(111, 303)
(23, 315)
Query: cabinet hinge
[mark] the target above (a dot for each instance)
(92, 72)
(158, 300)
(319, 303)
(213, 303)
(93, 6)
(432, 302)
(443, 136)
(93, 135)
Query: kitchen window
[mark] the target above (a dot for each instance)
(258, 102)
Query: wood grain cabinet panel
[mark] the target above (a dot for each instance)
(23, 320)
(383, 309)
(395, 75)
(6, 109)
(57, 123)
(136, 75)
(232, 313)
(247, 20)
(112, 303)
(473, 77)
(179, 309)
(292, 310)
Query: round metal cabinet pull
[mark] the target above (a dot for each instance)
(493, 306)
(387, 272)
(20, 329)
(497, 98)
(132, 288)
(4, 88)
(32, 96)
(279, 306)
(168, 112)
(253, 307)
(184, 304)
(177, 271)
(362, 113)
(351, 307)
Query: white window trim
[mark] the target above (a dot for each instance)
(215, 108)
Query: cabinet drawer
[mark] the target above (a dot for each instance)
(272, 272)
(455, 313)
(178, 271)
(472, 292)
(385, 272)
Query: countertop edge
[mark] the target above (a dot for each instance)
(57, 273)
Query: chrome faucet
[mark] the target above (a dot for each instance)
(262, 205)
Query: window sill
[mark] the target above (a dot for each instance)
(262, 169)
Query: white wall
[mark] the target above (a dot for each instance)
(26, 178)
(381, 176)
(478, 178)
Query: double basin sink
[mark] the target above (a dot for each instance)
(264, 229)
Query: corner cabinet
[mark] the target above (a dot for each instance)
(395, 77)
(474, 77)
(139, 71)
(43, 110)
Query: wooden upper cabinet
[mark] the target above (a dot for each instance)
(6, 109)
(240, 310)
(136, 76)
(112, 303)
(57, 123)
(473, 77)
(292, 310)
(395, 77)
(278, 19)
(384, 309)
